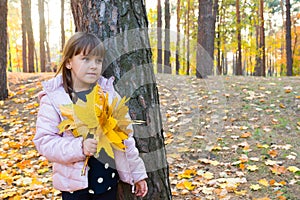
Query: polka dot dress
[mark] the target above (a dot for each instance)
(102, 174)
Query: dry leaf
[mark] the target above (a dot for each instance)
(252, 168)
(264, 182)
(293, 169)
(255, 187)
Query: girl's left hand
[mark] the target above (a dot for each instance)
(141, 188)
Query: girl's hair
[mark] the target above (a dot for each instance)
(80, 42)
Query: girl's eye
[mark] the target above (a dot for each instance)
(98, 61)
(85, 59)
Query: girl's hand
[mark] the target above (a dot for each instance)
(89, 146)
(141, 188)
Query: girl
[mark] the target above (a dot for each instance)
(81, 69)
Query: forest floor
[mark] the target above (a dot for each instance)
(226, 138)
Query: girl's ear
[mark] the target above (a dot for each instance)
(68, 65)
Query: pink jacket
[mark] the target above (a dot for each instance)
(66, 151)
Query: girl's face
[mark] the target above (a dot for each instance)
(85, 70)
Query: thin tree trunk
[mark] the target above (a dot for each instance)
(3, 50)
(167, 51)
(9, 54)
(122, 26)
(218, 37)
(42, 35)
(262, 39)
(27, 4)
(239, 39)
(289, 57)
(24, 36)
(159, 38)
(188, 38)
(48, 53)
(178, 38)
(62, 24)
(282, 48)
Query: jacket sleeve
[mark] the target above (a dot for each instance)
(136, 164)
(47, 140)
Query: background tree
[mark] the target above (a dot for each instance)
(122, 26)
(26, 20)
(42, 35)
(178, 37)
(3, 50)
(167, 52)
(288, 39)
(24, 36)
(62, 23)
(260, 68)
(206, 35)
(188, 37)
(238, 69)
(159, 38)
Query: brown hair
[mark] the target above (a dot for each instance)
(84, 42)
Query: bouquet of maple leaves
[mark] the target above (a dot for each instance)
(106, 122)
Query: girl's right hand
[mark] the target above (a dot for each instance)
(89, 146)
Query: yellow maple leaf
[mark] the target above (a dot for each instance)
(241, 193)
(252, 168)
(107, 123)
(86, 111)
(255, 187)
(188, 185)
(264, 182)
(293, 169)
(208, 175)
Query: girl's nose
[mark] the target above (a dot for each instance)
(93, 64)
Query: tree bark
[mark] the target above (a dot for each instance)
(42, 35)
(262, 39)
(122, 26)
(205, 49)
(3, 50)
(62, 23)
(178, 38)
(239, 39)
(167, 51)
(188, 37)
(24, 37)
(29, 31)
(159, 38)
(288, 39)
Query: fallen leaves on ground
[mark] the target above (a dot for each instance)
(226, 138)
(245, 141)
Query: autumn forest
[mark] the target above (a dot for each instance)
(213, 87)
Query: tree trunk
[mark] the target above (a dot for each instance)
(167, 51)
(42, 35)
(260, 67)
(122, 26)
(27, 6)
(178, 38)
(205, 49)
(24, 37)
(3, 50)
(62, 24)
(262, 39)
(218, 38)
(289, 57)
(282, 48)
(188, 37)
(159, 38)
(239, 39)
